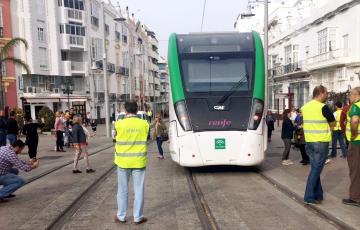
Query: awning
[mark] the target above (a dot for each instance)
(51, 100)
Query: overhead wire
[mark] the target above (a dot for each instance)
(203, 16)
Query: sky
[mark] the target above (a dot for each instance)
(183, 16)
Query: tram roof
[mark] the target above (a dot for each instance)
(215, 42)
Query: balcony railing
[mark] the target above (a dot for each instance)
(77, 66)
(331, 55)
(123, 71)
(76, 40)
(286, 69)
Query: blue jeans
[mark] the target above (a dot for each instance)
(159, 145)
(11, 182)
(318, 152)
(138, 176)
(338, 135)
(12, 138)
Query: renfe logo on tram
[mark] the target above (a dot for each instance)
(220, 123)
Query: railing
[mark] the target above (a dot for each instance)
(77, 66)
(76, 40)
(328, 56)
(286, 69)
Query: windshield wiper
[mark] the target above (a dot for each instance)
(241, 82)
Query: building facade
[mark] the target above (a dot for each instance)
(79, 50)
(7, 74)
(164, 85)
(311, 42)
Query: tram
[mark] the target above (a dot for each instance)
(217, 95)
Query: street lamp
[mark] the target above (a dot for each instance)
(67, 88)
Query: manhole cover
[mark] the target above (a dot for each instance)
(50, 157)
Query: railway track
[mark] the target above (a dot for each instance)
(47, 172)
(209, 222)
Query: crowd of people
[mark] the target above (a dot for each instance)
(314, 128)
(70, 130)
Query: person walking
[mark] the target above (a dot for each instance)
(59, 129)
(337, 134)
(318, 124)
(12, 128)
(353, 135)
(160, 128)
(149, 114)
(287, 133)
(67, 130)
(93, 125)
(270, 122)
(80, 144)
(2, 128)
(131, 160)
(300, 139)
(9, 169)
(30, 129)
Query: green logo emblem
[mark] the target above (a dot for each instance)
(220, 143)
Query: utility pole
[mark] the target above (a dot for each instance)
(106, 90)
(266, 49)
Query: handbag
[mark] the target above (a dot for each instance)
(164, 136)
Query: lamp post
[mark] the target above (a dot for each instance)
(67, 88)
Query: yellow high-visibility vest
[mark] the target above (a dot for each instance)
(337, 118)
(316, 127)
(348, 127)
(131, 142)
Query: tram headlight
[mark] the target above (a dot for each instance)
(182, 115)
(256, 114)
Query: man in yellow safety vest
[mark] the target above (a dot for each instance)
(353, 135)
(131, 160)
(318, 122)
(337, 134)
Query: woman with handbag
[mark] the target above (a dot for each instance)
(160, 134)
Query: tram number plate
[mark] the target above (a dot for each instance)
(220, 143)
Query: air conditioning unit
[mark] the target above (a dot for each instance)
(29, 89)
(56, 90)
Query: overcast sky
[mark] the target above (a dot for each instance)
(184, 16)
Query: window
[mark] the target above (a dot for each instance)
(3, 69)
(94, 14)
(64, 56)
(346, 45)
(72, 28)
(43, 57)
(75, 14)
(60, 2)
(322, 41)
(96, 49)
(332, 39)
(41, 31)
(288, 54)
(74, 4)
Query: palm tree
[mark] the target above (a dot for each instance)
(6, 57)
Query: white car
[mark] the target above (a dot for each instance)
(120, 116)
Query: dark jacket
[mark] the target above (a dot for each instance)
(287, 130)
(3, 126)
(30, 130)
(270, 122)
(78, 134)
(12, 127)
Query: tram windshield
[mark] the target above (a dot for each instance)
(216, 73)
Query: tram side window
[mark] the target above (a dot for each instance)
(217, 75)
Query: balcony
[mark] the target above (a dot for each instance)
(287, 69)
(77, 67)
(329, 59)
(122, 71)
(73, 42)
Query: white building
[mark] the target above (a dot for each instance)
(311, 42)
(164, 84)
(66, 51)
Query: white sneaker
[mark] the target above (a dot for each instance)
(327, 161)
(287, 162)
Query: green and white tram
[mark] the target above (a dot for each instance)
(217, 99)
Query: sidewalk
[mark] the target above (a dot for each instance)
(334, 179)
(49, 158)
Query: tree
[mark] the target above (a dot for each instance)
(49, 118)
(6, 57)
